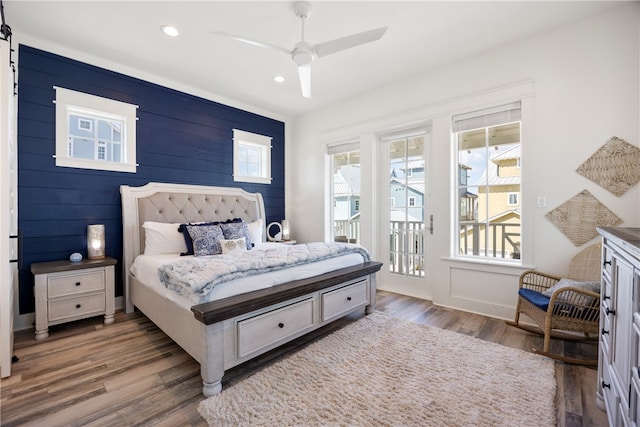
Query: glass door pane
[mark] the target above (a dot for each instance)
(346, 197)
(406, 206)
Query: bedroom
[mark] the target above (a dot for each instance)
(575, 69)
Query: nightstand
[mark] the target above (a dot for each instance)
(67, 291)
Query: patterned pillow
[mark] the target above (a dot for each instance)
(206, 239)
(234, 246)
(187, 237)
(237, 230)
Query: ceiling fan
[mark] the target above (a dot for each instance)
(303, 53)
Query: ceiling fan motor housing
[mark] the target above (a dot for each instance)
(303, 54)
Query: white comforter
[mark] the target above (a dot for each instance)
(195, 277)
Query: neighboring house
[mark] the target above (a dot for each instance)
(498, 204)
(406, 183)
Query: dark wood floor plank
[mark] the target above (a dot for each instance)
(130, 373)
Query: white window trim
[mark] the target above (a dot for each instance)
(241, 138)
(70, 100)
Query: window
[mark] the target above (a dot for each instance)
(345, 191)
(412, 201)
(488, 155)
(251, 157)
(94, 132)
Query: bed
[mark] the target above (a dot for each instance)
(249, 316)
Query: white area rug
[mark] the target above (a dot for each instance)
(384, 371)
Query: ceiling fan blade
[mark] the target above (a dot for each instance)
(304, 73)
(253, 42)
(333, 46)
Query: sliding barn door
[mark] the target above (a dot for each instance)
(8, 210)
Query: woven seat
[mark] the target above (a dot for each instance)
(568, 309)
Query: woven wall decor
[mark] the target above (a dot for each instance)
(615, 166)
(579, 216)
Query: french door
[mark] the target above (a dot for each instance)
(403, 206)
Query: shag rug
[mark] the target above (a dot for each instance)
(384, 371)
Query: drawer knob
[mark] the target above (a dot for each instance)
(77, 283)
(610, 311)
(281, 325)
(604, 331)
(606, 297)
(606, 263)
(605, 385)
(78, 305)
(348, 298)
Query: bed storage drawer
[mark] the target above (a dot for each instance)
(268, 329)
(341, 301)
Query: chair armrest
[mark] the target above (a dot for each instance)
(537, 281)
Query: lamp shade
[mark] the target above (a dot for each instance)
(95, 241)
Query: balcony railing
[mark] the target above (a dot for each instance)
(407, 242)
(504, 239)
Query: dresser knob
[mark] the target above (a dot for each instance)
(281, 325)
(604, 332)
(77, 283)
(610, 311)
(348, 298)
(606, 263)
(78, 305)
(606, 297)
(605, 385)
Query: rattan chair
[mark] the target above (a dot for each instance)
(569, 309)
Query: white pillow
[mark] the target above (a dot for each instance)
(163, 238)
(256, 228)
(233, 246)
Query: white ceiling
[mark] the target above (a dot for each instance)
(422, 35)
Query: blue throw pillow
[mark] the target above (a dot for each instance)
(206, 239)
(237, 230)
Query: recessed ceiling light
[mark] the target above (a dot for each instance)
(169, 30)
(278, 79)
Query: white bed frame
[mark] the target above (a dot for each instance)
(224, 333)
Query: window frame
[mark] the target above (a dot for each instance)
(499, 115)
(70, 102)
(250, 140)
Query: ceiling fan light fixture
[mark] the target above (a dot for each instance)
(170, 30)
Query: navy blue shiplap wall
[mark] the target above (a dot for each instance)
(180, 139)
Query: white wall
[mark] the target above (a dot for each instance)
(585, 89)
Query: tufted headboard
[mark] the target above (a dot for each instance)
(163, 202)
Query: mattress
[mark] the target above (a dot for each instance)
(145, 270)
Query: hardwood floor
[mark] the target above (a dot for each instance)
(130, 373)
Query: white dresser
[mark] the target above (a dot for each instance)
(618, 389)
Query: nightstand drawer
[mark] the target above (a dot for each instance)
(76, 307)
(86, 281)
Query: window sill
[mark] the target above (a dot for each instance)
(485, 264)
(68, 162)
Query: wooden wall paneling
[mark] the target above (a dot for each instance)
(180, 138)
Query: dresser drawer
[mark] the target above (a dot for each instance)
(341, 301)
(80, 306)
(268, 329)
(70, 284)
